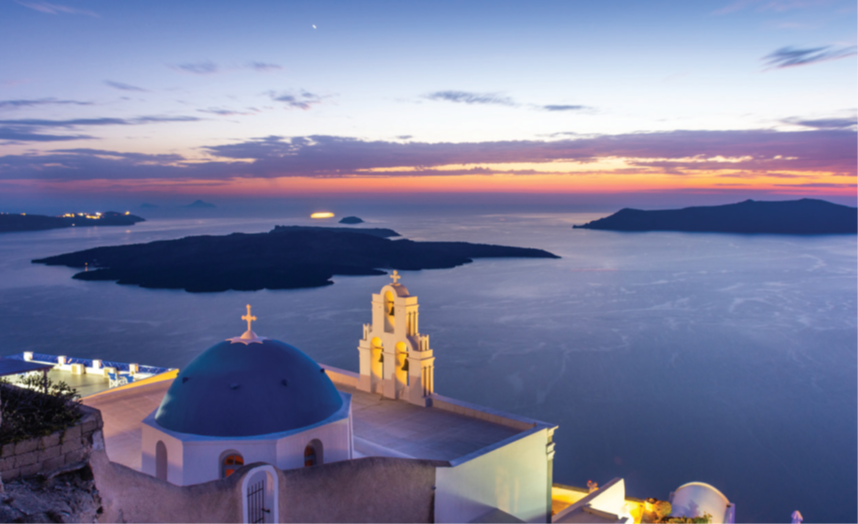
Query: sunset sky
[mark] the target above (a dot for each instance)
(153, 100)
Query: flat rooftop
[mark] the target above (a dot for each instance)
(382, 427)
(385, 427)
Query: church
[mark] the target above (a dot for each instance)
(254, 400)
(254, 430)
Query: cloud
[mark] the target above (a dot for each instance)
(125, 87)
(17, 134)
(793, 57)
(160, 119)
(823, 123)
(35, 122)
(263, 66)
(17, 104)
(303, 100)
(197, 68)
(56, 9)
(137, 157)
(825, 150)
(464, 97)
(227, 112)
(563, 108)
(77, 122)
(675, 152)
(87, 164)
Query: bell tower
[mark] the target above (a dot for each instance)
(395, 359)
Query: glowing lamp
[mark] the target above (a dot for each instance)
(324, 214)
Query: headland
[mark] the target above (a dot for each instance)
(793, 217)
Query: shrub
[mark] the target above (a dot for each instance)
(28, 412)
(662, 509)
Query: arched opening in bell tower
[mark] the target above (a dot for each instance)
(376, 356)
(401, 365)
(389, 312)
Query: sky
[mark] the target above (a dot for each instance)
(159, 101)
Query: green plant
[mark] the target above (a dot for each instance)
(27, 412)
(706, 518)
(59, 389)
(662, 508)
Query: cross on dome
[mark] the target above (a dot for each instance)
(395, 276)
(248, 317)
(249, 337)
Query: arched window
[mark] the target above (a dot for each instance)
(309, 456)
(161, 461)
(313, 453)
(230, 464)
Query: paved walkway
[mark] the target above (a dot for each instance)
(123, 413)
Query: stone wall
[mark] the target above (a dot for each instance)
(372, 489)
(59, 451)
(128, 495)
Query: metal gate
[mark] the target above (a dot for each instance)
(256, 502)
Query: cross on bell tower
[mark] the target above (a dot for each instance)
(395, 276)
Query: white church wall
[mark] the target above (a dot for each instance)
(175, 458)
(193, 459)
(512, 477)
(202, 459)
(333, 436)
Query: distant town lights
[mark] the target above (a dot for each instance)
(323, 214)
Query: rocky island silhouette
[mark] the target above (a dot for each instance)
(795, 217)
(284, 258)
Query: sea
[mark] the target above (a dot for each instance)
(663, 358)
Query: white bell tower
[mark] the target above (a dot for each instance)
(395, 359)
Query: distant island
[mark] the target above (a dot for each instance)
(284, 258)
(199, 204)
(25, 222)
(351, 220)
(795, 217)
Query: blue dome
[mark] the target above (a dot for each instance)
(238, 390)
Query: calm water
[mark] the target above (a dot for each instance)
(663, 357)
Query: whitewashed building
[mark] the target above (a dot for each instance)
(250, 400)
(247, 399)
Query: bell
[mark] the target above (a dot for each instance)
(405, 366)
(381, 358)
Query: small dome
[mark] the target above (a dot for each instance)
(239, 390)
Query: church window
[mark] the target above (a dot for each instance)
(309, 456)
(313, 453)
(161, 461)
(230, 464)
